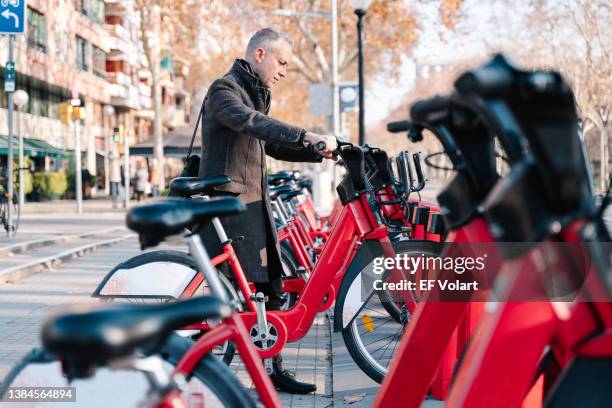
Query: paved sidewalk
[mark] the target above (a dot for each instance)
(53, 219)
(26, 303)
(310, 359)
(352, 387)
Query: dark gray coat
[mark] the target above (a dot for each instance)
(236, 136)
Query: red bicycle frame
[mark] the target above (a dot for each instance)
(572, 329)
(232, 329)
(432, 343)
(356, 223)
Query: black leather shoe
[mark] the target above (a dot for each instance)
(285, 381)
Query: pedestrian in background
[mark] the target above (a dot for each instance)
(85, 182)
(115, 178)
(140, 184)
(154, 179)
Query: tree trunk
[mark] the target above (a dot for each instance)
(151, 49)
(604, 154)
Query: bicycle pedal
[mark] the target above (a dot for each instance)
(268, 366)
(302, 273)
(259, 297)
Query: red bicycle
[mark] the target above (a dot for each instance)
(84, 341)
(564, 334)
(532, 326)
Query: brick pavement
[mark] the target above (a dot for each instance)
(25, 304)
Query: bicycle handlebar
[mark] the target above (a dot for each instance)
(399, 126)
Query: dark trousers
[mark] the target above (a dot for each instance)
(273, 290)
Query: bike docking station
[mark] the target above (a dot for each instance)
(497, 295)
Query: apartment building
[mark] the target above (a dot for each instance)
(91, 50)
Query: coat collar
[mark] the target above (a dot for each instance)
(248, 78)
(247, 75)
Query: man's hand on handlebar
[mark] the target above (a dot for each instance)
(325, 145)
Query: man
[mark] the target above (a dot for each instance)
(237, 134)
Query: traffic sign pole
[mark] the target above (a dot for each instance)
(9, 169)
(12, 21)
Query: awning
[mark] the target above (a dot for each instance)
(176, 144)
(32, 148)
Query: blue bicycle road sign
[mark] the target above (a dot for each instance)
(12, 16)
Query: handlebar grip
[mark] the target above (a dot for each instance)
(399, 126)
(421, 110)
(416, 157)
(320, 146)
(488, 80)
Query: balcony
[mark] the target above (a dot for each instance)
(124, 96)
(146, 102)
(145, 90)
(118, 31)
(119, 78)
(144, 73)
(115, 7)
(116, 90)
(49, 130)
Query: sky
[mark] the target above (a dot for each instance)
(484, 26)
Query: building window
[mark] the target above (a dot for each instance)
(37, 30)
(38, 102)
(54, 102)
(179, 103)
(99, 61)
(94, 9)
(82, 54)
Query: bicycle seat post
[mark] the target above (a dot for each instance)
(216, 223)
(153, 369)
(196, 247)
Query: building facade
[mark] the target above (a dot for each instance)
(90, 50)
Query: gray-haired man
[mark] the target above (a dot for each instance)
(237, 135)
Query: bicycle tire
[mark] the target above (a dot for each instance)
(388, 315)
(210, 371)
(290, 266)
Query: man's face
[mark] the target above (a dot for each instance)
(272, 62)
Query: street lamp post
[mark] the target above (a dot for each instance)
(108, 111)
(325, 179)
(361, 7)
(20, 99)
(333, 17)
(78, 175)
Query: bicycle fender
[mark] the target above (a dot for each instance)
(157, 274)
(350, 287)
